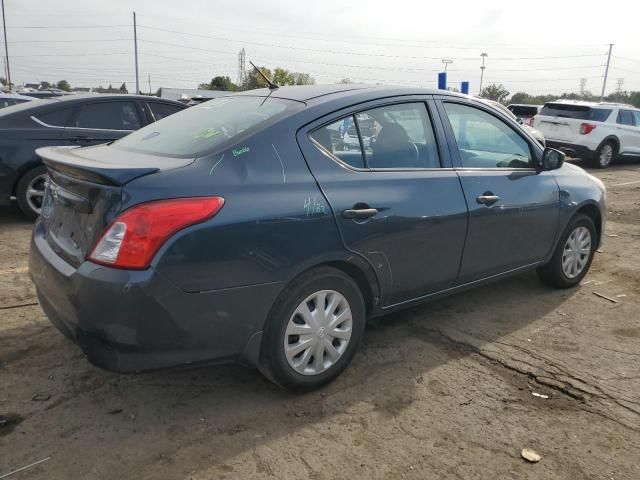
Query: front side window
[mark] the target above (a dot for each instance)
(485, 141)
(108, 116)
(625, 117)
(341, 140)
(201, 129)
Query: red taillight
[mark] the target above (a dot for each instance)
(586, 128)
(134, 237)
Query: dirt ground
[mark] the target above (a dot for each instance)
(443, 391)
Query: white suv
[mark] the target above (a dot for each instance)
(593, 131)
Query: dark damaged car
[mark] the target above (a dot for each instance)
(244, 229)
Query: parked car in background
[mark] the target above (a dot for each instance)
(236, 230)
(45, 93)
(11, 99)
(73, 120)
(597, 132)
(525, 112)
(537, 134)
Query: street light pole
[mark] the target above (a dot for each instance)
(6, 47)
(483, 55)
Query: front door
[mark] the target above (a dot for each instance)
(628, 131)
(397, 200)
(513, 208)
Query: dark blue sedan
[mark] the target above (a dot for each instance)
(266, 227)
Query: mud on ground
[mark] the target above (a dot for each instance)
(437, 392)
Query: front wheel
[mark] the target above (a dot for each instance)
(313, 330)
(573, 255)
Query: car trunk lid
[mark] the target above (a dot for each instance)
(84, 193)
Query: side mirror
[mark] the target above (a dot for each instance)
(552, 159)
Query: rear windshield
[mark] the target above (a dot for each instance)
(579, 112)
(523, 111)
(199, 130)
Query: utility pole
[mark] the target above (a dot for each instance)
(606, 72)
(6, 47)
(482, 67)
(135, 46)
(149, 84)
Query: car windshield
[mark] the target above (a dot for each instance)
(203, 128)
(579, 112)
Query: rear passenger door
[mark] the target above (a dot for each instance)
(395, 196)
(103, 121)
(628, 131)
(513, 208)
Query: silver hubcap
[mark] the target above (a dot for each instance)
(576, 252)
(35, 193)
(606, 154)
(318, 332)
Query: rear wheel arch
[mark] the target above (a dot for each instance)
(611, 139)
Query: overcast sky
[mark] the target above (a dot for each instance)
(537, 47)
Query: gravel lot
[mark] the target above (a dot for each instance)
(441, 391)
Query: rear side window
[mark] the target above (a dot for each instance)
(161, 110)
(57, 118)
(341, 139)
(578, 112)
(199, 130)
(636, 116)
(625, 117)
(108, 116)
(394, 136)
(398, 136)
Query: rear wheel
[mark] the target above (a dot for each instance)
(604, 155)
(313, 330)
(573, 255)
(30, 191)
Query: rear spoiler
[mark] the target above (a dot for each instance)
(78, 163)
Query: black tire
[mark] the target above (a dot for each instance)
(600, 161)
(23, 187)
(552, 273)
(273, 362)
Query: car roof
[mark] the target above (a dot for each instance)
(308, 93)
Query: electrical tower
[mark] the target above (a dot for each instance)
(242, 74)
(583, 86)
(619, 84)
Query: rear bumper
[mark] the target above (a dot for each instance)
(571, 149)
(129, 321)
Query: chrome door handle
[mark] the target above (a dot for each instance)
(359, 214)
(487, 199)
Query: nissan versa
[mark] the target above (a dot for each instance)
(244, 229)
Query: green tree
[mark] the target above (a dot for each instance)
(3, 81)
(300, 78)
(344, 81)
(255, 80)
(280, 76)
(64, 85)
(495, 92)
(45, 85)
(219, 83)
(123, 88)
